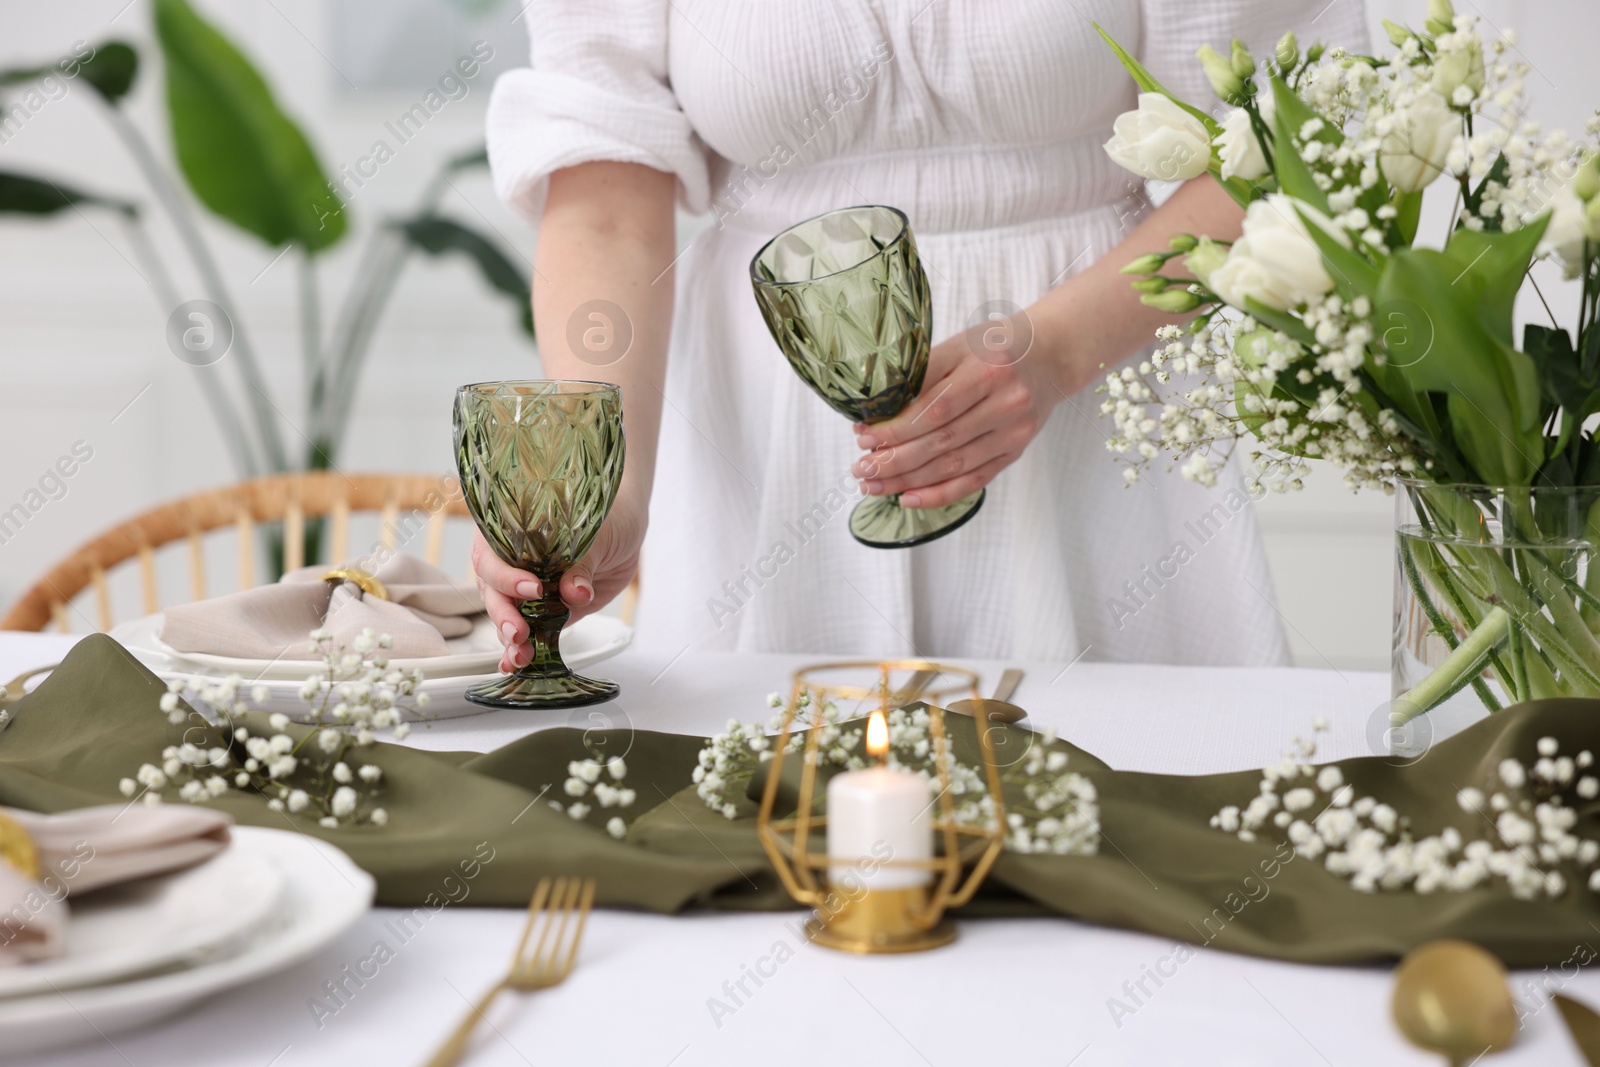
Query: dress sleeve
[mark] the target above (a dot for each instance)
(1173, 30)
(595, 89)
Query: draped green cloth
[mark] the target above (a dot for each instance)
(1161, 868)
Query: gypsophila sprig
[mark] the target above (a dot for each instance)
(1521, 835)
(319, 773)
(598, 779)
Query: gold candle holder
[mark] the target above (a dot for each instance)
(868, 920)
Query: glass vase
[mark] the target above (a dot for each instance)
(1496, 597)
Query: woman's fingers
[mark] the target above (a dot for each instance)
(877, 469)
(943, 399)
(502, 589)
(948, 492)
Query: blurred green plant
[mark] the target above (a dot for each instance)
(247, 162)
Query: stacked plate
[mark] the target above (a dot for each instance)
(143, 951)
(474, 658)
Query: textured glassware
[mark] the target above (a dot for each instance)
(540, 463)
(846, 299)
(1497, 598)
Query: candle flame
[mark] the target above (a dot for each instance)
(877, 733)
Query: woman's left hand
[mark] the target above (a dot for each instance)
(987, 394)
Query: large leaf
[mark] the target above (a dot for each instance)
(1567, 385)
(1294, 176)
(111, 70)
(25, 195)
(437, 236)
(1492, 389)
(1496, 264)
(243, 157)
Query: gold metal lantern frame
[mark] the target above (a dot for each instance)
(865, 919)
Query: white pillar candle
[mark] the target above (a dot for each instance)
(877, 815)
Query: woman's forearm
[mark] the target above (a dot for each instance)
(1095, 318)
(602, 293)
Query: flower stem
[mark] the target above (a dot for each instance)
(1456, 670)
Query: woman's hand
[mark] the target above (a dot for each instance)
(987, 394)
(589, 585)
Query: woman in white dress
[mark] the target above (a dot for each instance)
(985, 124)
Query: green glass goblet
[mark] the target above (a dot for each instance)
(846, 299)
(540, 463)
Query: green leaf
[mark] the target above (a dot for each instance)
(1408, 213)
(1279, 320)
(1563, 381)
(1494, 264)
(1349, 269)
(1443, 346)
(437, 236)
(25, 195)
(111, 70)
(1147, 82)
(1294, 177)
(240, 153)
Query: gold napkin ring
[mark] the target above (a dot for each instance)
(357, 576)
(17, 848)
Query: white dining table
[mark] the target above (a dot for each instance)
(677, 991)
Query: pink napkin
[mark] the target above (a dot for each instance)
(425, 607)
(87, 849)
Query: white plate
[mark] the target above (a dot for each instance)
(588, 641)
(324, 895)
(154, 922)
(476, 653)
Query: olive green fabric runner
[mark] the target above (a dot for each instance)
(477, 829)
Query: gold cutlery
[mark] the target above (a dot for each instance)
(1451, 997)
(554, 907)
(1584, 1026)
(912, 689)
(996, 708)
(15, 690)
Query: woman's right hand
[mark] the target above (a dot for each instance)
(586, 587)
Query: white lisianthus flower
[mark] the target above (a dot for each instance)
(1570, 226)
(1275, 261)
(1160, 141)
(1238, 148)
(1416, 141)
(1460, 68)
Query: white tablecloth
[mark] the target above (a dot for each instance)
(1036, 991)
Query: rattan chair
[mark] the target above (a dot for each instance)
(411, 507)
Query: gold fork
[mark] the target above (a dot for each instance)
(552, 908)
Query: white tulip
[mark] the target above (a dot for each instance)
(1238, 148)
(1160, 141)
(1569, 227)
(1275, 262)
(1417, 142)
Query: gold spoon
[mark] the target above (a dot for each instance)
(15, 690)
(995, 708)
(1451, 997)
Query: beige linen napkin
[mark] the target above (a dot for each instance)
(425, 607)
(88, 849)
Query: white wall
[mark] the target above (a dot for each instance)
(82, 348)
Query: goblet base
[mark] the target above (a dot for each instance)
(880, 521)
(559, 688)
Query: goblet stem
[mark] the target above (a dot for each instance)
(546, 618)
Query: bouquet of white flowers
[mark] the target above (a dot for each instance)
(1327, 331)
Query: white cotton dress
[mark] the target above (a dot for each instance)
(984, 122)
